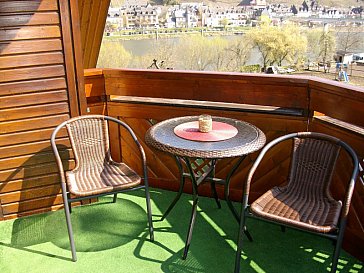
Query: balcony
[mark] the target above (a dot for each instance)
(276, 104)
(40, 89)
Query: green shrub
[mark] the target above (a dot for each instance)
(253, 68)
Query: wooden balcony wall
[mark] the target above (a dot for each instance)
(40, 86)
(277, 105)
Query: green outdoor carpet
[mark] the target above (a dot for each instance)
(114, 238)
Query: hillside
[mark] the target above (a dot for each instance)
(335, 3)
(330, 3)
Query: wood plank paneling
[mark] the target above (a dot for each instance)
(30, 148)
(338, 102)
(31, 60)
(33, 171)
(28, 136)
(38, 90)
(39, 181)
(33, 111)
(231, 87)
(33, 204)
(28, 99)
(31, 123)
(44, 18)
(29, 33)
(95, 91)
(31, 73)
(28, 194)
(32, 159)
(13, 88)
(34, 211)
(279, 123)
(31, 46)
(25, 6)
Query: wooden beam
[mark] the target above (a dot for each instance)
(93, 15)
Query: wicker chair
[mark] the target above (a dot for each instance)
(96, 174)
(305, 203)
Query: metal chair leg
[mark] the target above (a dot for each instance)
(69, 203)
(67, 207)
(336, 254)
(149, 208)
(240, 235)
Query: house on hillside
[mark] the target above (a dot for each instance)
(140, 16)
(256, 4)
(184, 15)
(278, 10)
(212, 17)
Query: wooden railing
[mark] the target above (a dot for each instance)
(276, 104)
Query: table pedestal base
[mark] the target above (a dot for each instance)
(207, 176)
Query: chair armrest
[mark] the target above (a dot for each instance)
(354, 177)
(134, 137)
(56, 152)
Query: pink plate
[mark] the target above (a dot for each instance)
(220, 131)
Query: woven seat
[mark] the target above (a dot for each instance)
(314, 215)
(305, 202)
(95, 173)
(102, 178)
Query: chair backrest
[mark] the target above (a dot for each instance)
(89, 138)
(312, 166)
(316, 143)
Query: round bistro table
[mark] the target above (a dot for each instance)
(162, 136)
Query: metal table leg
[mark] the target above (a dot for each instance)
(196, 181)
(194, 206)
(213, 184)
(228, 201)
(180, 191)
(227, 188)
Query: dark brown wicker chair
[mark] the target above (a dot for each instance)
(96, 174)
(305, 203)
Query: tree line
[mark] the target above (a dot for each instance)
(287, 45)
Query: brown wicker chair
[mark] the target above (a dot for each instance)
(96, 174)
(305, 203)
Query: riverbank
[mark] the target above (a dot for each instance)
(141, 34)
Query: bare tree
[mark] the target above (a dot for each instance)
(327, 48)
(350, 38)
(238, 53)
(322, 46)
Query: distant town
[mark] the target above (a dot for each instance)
(137, 14)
